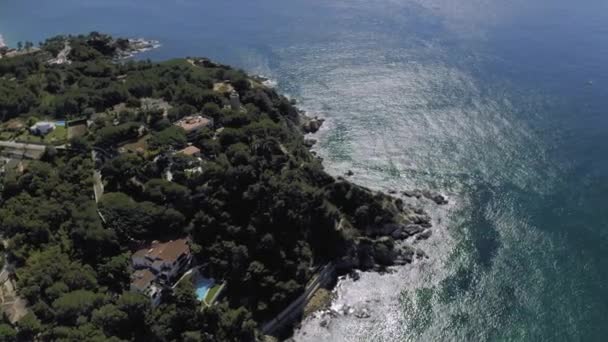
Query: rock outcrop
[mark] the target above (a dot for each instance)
(311, 125)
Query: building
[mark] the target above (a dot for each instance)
(194, 123)
(42, 128)
(143, 281)
(192, 151)
(235, 101)
(158, 265)
(17, 150)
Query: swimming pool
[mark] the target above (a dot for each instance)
(60, 123)
(202, 286)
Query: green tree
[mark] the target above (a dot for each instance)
(7, 333)
(113, 321)
(172, 137)
(29, 326)
(72, 305)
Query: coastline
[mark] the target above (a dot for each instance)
(136, 46)
(362, 300)
(385, 249)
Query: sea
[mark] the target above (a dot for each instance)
(501, 105)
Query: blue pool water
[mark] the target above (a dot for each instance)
(60, 123)
(202, 286)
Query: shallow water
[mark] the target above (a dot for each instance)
(500, 104)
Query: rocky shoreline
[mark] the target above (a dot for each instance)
(380, 247)
(380, 250)
(387, 245)
(133, 46)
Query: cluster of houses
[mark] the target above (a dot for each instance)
(157, 267)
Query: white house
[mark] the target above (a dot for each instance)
(42, 128)
(159, 265)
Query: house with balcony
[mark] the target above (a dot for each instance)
(158, 265)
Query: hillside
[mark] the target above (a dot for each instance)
(183, 149)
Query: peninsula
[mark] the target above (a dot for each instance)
(145, 201)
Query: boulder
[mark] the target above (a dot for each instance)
(309, 142)
(412, 229)
(420, 219)
(412, 193)
(361, 313)
(435, 197)
(424, 235)
(312, 125)
(421, 254)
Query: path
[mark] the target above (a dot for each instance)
(325, 276)
(62, 56)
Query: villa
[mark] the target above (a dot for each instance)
(158, 265)
(194, 123)
(42, 128)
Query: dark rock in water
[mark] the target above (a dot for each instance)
(419, 211)
(420, 219)
(405, 231)
(412, 193)
(309, 142)
(383, 252)
(349, 173)
(399, 204)
(354, 275)
(435, 197)
(392, 191)
(362, 313)
(312, 125)
(405, 255)
(421, 254)
(412, 229)
(424, 235)
(426, 225)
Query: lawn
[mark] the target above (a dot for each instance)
(211, 294)
(57, 136)
(139, 145)
(77, 131)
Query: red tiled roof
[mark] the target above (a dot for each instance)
(142, 279)
(190, 151)
(192, 123)
(165, 251)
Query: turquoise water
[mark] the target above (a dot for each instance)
(202, 286)
(501, 104)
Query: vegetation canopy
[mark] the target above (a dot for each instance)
(259, 210)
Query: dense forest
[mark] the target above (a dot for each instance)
(258, 208)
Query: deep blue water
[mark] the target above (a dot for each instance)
(502, 104)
